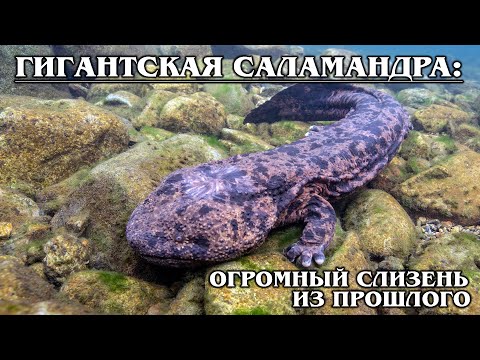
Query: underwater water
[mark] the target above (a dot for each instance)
(469, 55)
(76, 160)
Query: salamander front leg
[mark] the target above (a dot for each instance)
(320, 222)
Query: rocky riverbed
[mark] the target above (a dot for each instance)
(75, 161)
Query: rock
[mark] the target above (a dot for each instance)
(37, 231)
(39, 269)
(417, 97)
(422, 151)
(113, 293)
(8, 71)
(350, 257)
(5, 230)
(465, 132)
(286, 132)
(98, 92)
(155, 134)
(448, 190)
(417, 165)
(474, 144)
(469, 135)
(33, 253)
(235, 122)
(385, 229)
(189, 300)
(15, 210)
(65, 254)
(242, 142)
(391, 263)
(459, 251)
(199, 113)
(20, 283)
(281, 238)
(252, 300)
(124, 104)
(394, 174)
(53, 197)
(438, 118)
(269, 90)
(43, 142)
(150, 114)
(177, 89)
(106, 196)
(51, 307)
(78, 90)
(233, 96)
(27, 229)
(122, 98)
(232, 51)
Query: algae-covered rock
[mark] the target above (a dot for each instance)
(279, 239)
(124, 104)
(155, 134)
(421, 151)
(9, 69)
(53, 197)
(98, 92)
(448, 190)
(350, 257)
(457, 251)
(50, 307)
(199, 113)
(43, 142)
(417, 97)
(65, 254)
(105, 197)
(286, 132)
(465, 132)
(177, 89)
(235, 122)
(189, 300)
(5, 230)
(28, 229)
(454, 251)
(242, 142)
(437, 118)
(20, 283)
(252, 300)
(150, 115)
(385, 229)
(123, 98)
(469, 135)
(15, 210)
(392, 175)
(113, 293)
(233, 96)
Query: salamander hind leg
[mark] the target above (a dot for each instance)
(320, 220)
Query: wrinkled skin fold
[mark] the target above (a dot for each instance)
(222, 210)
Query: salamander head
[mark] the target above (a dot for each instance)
(199, 216)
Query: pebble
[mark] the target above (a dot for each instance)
(434, 228)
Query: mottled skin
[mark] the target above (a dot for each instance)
(221, 210)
